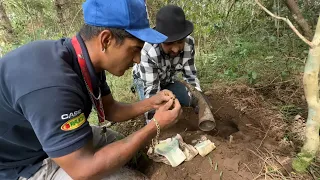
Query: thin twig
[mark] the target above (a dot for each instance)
(259, 175)
(265, 160)
(277, 169)
(277, 161)
(312, 174)
(312, 45)
(217, 110)
(250, 126)
(266, 134)
(248, 169)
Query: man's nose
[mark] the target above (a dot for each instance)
(175, 49)
(137, 59)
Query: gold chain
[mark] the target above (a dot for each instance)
(155, 140)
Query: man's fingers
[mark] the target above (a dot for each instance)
(177, 105)
(169, 94)
(166, 98)
(167, 105)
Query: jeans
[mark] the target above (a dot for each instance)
(178, 89)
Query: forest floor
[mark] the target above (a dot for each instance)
(263, 142)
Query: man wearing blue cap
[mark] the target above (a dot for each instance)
(48, 89)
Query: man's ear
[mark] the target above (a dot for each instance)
(105, 39)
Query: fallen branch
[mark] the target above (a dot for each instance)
(312, 45)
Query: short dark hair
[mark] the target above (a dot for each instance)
(88, 32)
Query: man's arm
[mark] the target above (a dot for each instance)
(189, 68)
(118, 112)
(85, 163)
(63, 131)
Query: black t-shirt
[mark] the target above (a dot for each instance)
(44, 105)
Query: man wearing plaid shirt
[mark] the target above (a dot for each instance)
(160, 63)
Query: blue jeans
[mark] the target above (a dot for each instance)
(178, 89)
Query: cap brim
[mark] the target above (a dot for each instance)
(148, 35)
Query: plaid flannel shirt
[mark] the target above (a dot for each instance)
(157, 69)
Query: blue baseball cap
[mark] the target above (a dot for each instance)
(130, 15)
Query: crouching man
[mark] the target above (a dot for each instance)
(160, 62)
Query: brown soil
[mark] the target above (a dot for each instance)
(240, 112)
(257, 150)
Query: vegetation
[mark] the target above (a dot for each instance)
(237, 42)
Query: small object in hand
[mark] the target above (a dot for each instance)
(172, 106)
(174, 98)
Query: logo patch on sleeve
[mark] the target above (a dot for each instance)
(74, 123)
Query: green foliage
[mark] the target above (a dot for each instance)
(233, 42)
(252, 77)
(243, 46)
(37, 19)
(302, 162)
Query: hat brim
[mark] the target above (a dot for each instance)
(148, 35)
(176, 37)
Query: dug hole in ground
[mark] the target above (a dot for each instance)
(249, 140)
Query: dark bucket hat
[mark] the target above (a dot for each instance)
(171, 21)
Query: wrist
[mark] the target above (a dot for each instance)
(155, 140)
(153, 102)
(152, 127)
(150, 102)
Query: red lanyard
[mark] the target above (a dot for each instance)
(96, 101)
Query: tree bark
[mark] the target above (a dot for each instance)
(5, 24)
(311, 89)
(302, 23)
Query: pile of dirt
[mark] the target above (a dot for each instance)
(248, 138)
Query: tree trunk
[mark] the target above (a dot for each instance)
(303, 24)
(5, 24)
(311, 90)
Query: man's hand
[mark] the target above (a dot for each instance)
(162, 97)
(167, 116)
